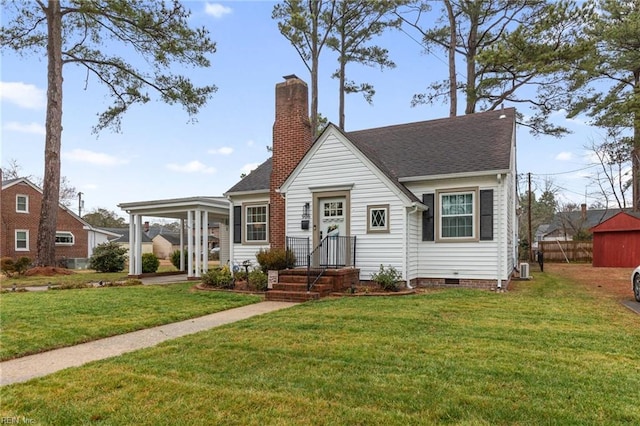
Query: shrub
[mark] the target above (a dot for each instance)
(22, 265)
(258, 279)
(387, 278)
(175, 259)
(108, 257)
(150, 263)
(218, 277)
(7, 266)
(275, 259)
(10, 267)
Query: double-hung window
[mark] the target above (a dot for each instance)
(22, 240)
(22, 203)
(256, 223)
(457, 215)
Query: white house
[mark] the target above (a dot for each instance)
(434, 199)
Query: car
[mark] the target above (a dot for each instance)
(635, 283)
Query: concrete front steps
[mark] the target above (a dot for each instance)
(292, 284)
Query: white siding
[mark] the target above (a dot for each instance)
(335, 164)
(225, 248)
(464, 260)
(241, 252)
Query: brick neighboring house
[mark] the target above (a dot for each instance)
(20, 203)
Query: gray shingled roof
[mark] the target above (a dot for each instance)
(593, 217)
(124, 235)
(257, 180)
(469, 143)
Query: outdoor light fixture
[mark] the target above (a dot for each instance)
(304, 224)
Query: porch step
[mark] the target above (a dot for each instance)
(291, 296)
(323, 289)
(302, 279)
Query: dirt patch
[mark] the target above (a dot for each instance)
(611, 282)
(47, 271)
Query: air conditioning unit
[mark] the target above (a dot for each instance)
(524, 270)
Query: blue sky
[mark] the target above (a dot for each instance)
(161, 154)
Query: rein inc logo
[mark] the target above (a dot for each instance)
(21, 420)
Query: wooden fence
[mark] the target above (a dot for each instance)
(561, 251)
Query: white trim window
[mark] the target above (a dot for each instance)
(256, 217)
(22, 240)
(22, 203)
(378, 219)
(457, 215)
(64, 238)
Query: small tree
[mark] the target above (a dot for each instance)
(108, 257)
(175, 259)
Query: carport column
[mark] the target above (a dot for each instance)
(198, 242)
(189, 244)
(205, 242)
(132, 259)
(138, 244)
(182, 244)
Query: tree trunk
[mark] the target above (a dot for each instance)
(46, 248)
(315, 13)
(453, 88)
(472, 44)
(343, 65)
(635, 152)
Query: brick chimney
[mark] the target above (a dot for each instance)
(583, 211)
(291, 140)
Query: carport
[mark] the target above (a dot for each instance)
(194, 212)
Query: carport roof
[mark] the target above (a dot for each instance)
(177, 208)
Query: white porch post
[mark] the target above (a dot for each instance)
(189, 244)
(198, 242)
(132, 258)
(182, 244)
(138, 244)
(205, 241)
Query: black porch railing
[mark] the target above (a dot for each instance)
(332, 252)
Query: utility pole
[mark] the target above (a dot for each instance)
(529, 220)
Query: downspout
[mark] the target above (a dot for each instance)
(499, 233)
(416, 207)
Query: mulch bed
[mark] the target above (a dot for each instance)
(48, 271)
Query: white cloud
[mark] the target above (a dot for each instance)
(564, 156)
(216, 10)
(35, 128)
(250, 142)
(24, 95)
(191, 167)
(248, 168)
(225, 150)
(90, 157)
(562, 113)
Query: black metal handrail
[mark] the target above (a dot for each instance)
(333, 252)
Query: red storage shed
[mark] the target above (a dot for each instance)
(616, 241)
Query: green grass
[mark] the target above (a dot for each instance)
(545, 353)
(36, 321)
(78, 277)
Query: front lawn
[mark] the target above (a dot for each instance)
(547, 352)
(36, 321)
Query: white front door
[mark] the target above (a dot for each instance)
(332, 224)
(333, 217)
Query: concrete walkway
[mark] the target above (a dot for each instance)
(22, 369)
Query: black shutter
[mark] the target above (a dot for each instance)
(486, 215)
(428, 216)
(237, 224)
